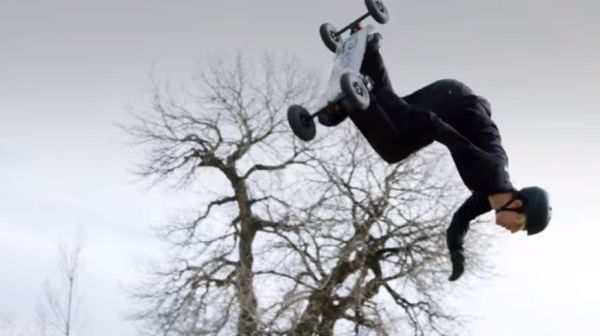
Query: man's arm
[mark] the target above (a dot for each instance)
(474, 206)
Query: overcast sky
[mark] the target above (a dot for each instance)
(70, 69)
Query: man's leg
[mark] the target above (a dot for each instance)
(391, 126)
(397, 127)
(374, 67)
(439, 96)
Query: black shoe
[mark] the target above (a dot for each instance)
(333, 116)
(373, 42)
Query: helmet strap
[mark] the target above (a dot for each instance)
(505, 207)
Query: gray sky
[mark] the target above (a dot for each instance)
(70, 69)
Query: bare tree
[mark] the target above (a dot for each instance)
(233, 118)
(370, 240)
(41, 320)
(299, 239)
(58, 312)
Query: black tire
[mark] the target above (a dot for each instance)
(329, 36)
(378, 10)
(301, 122)
(355, 92)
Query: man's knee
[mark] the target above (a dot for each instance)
(403, 146)
(394, 155)
(454, 87)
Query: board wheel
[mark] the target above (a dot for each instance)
(378, 10)
(355, 92)
(301, 122)
(329, 36)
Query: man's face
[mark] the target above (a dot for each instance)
(511, 220)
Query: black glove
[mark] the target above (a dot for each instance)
(458, 264)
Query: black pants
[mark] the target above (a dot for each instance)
(398, 126)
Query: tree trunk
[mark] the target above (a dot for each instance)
(247, 324)
(248, 320)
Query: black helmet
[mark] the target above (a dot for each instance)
(537, 208)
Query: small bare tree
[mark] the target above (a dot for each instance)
(58, 312)
(41, 320)
(298, 239)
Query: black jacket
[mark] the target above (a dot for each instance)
(480, 158)
(449, 112)
(475, 145)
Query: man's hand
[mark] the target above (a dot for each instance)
(458, 264)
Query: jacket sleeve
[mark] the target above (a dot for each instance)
(474, 206)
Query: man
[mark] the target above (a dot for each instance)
(449, 112)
